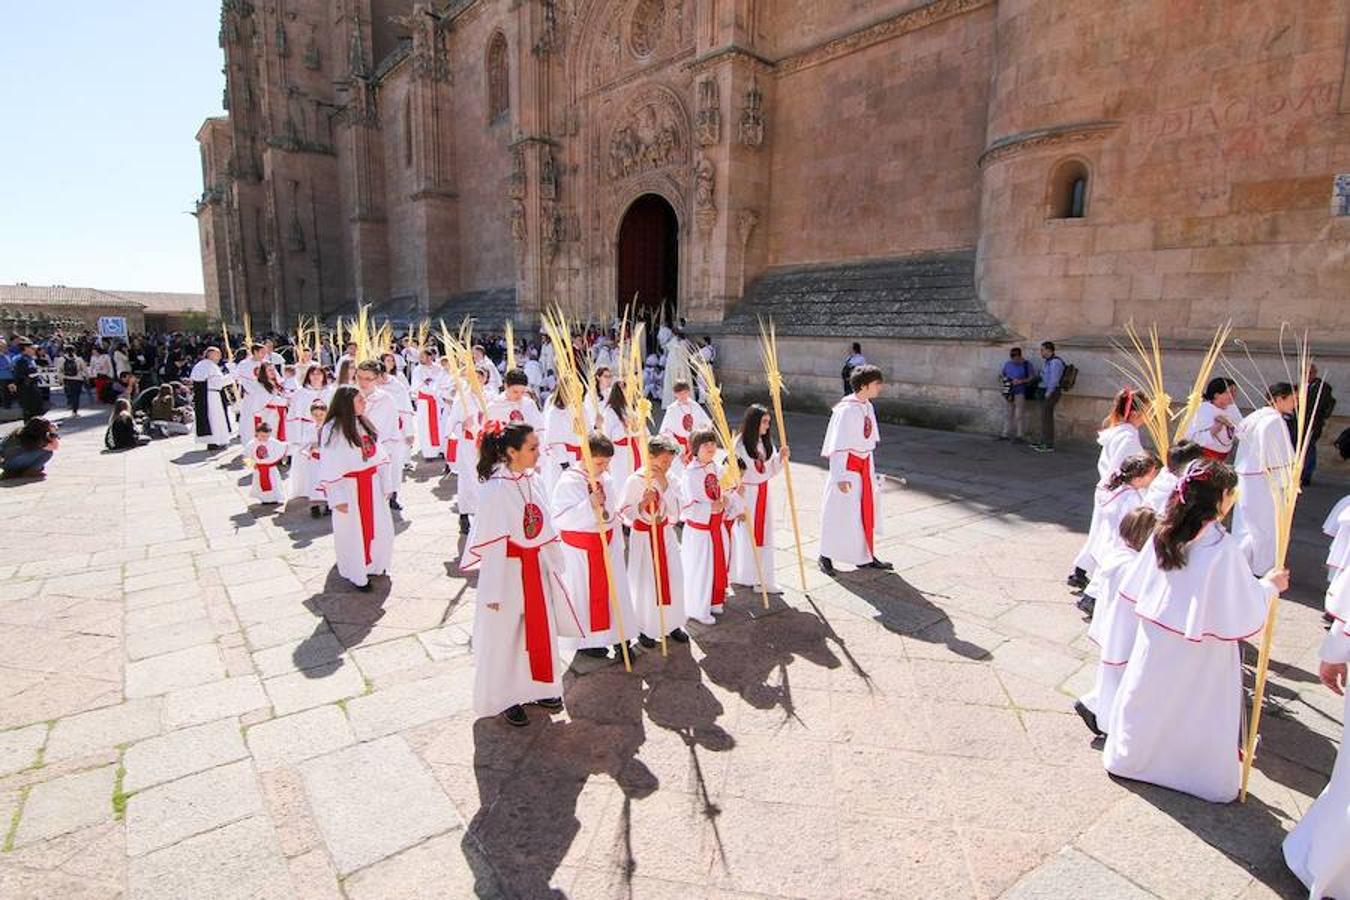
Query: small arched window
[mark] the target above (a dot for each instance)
(498, 78)
(1069, 190)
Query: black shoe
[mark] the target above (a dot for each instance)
(1086, 605)
(1078, 579)
(446, 471)
(393, 502)
(618, 650)
(679, 637)
(515, 715)
(878, 564)
(594, 652)
(552, 704)
(328, 510)
(645, 641)
(1089, 718)
(463, 524)
(314, 512)
(364, 588)
(826, 566)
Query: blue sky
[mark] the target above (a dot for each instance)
(99, 106)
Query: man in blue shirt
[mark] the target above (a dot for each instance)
(7, 390)
(1051, 373)
(1017, 376)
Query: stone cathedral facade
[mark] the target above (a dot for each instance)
(936, 178)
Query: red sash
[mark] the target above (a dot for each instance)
(433, 417)
(595, 572)
(365, 502)
(719, 549)
(574, 449)
(281, 421)
(863, 466)
(643, 526)
(635, 447)
(683, 441)
(761, 512)
(265, 474)
(451, 450)
(1220, 455)
(538, 644)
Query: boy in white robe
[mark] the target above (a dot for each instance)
(1119, 438)
(604, 619)
(397, 386)
(1264, 450)
(705, 547)
(522, 602)
(1114, 623)
(515, 404)
(1216, 421)
(1177, 718)
(1318, 849)
(562, 445)
(264, 454)
(382, 410)
(648, 511)
(431, 386)
(754, 531)
(681, 419)
(468, 415)
(305, 456)
(356, 482)
(850, 516)
(208, 400)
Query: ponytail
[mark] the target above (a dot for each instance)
(1134, 466)
(1195, 502)
(1126, 403)
(497, 440)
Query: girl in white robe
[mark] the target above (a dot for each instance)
(627, 449)
(253, 396)
(514, 404)
(263, 455)
(467, 417)
(355, 481)
(1264, 450)
(313, 385)
(603, 620)
(705, 546)
(754, 533)
(1216, 421)
(1337, 527)
(647, 511)
(850, 514)
(1121, 494)
(562, 445)
(273, 406)
(431, 385)
(395, 385)
(1119, 438)
(522, 602)
(1177, 718)
(1113, 622)
(1318, 849)
(305, 456)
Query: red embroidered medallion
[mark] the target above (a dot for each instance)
(711, 487)
(533, 522)
(688, 422)
(517, 416)
(759, 466)
(261, 453)
(867, 427)
(367, 447)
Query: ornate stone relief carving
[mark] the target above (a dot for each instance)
(705, 194)
(430, 51)
(516, 181)
(648, 137)
(752, 116)
(708, 121)
(518, 228)
(646, 26)
(746, 220)
(548, 175)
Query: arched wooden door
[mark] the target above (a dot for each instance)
(649, 258)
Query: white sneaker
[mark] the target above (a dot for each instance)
(708, 621)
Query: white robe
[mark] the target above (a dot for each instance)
(852, 435)
(756, 476)
(641, 584)
(219, 421)
(574, 516)
(383, 412)
(405, 422)
(561, 435)
(1113, 628)
(1205, 418)
(705, 533)
(1191, 620)
(432, 391)
(1318, 849)
(299, 418)
(1110, 509)
(275, 411)
(263, 456)
(681, 420)
(1263, 451)
(677, 369)
(1160, 492)
(627, 453)
(466, 422)
(503, 676)
(1337, 527)
(254, 397)
(342, 469)
(1118, 443)
(509, 412)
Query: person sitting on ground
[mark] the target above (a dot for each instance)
(123, 433)
(165, 412)
(26, 452)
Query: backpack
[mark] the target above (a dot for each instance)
(1069, 378)
(1343, 444)
(70, 368)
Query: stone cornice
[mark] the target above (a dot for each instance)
(730, 51)
(647, 71)
(1053, 136)
(885, 30)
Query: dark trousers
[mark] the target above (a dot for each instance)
(73, 391)
(26, 462)
(1309, 463)
(6, 395)
(1048, 418)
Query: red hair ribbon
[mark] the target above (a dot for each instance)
(492, 427)
(1129, 402)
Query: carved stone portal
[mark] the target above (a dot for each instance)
(649, 137)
